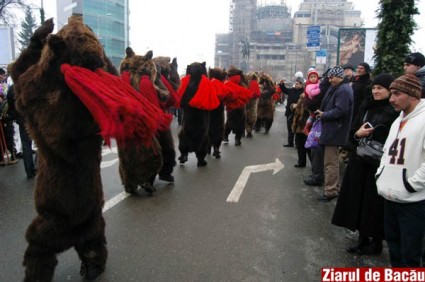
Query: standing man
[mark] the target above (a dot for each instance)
(401, 175)
(293, 94)
(348, 73)
(335, 113)
(415, 64)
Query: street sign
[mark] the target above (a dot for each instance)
(313, 37)
(321, 56)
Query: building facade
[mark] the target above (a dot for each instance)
(275, 42)
(109, 19)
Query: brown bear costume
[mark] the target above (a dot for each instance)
(266, 104)
(196, 100)
(252, 105)
(139, 164)
(217, 118)
(68, 192)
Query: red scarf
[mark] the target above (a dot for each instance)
(120, 111)
(240, 95)
(255, 88)
(205, 98)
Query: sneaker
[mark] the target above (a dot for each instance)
(313, 181)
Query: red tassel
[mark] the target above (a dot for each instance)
(183, 85)
(120, 111)
(147, 89)
(222, 91)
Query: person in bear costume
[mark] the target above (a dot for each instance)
(266, 104)
(217, 77)
(252, 105)
(71, 105)
(196, 100)
(138, 164)
(235, 107)
(68, 192)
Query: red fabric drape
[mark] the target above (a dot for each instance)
(147, 89)
(173, 99)
(255, 88)
(205, 98)
(240, 95)
(222, 91)
(120, 111)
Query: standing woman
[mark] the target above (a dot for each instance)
(359, 207)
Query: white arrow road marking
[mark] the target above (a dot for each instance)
(240, 184)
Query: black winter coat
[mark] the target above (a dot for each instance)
(359, 207)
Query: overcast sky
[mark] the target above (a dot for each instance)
(186, 28)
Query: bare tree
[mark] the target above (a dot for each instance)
(5, 5)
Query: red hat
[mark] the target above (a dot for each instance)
(312, 72)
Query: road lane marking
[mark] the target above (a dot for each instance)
(115, 200)
(104, 164)
(240, 184)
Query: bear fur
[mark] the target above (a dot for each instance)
(236, 117)
(217, 117)
(251, 107)
(139, 164)
(68, 191)
(193, 136)
(266, 104)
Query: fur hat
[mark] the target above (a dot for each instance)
(383, 79)
(408, 84)
(336, 71)
(416, 59)
(234, 71)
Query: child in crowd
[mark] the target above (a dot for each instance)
(311, 91)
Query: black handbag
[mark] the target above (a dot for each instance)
(370, 150)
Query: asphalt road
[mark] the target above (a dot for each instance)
(276, 231)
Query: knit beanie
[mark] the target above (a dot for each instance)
(383, 79)
(366, 66)
(416, 59)
(408, 84)
(336, 71)
(313, 71)
(348, 66)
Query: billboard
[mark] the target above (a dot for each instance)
(7, 46)
(356, 45)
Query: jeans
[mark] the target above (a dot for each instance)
(405, 232)
(27, 154)
(317, 163)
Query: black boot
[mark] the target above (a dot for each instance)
(361, 242)
(373, 248)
